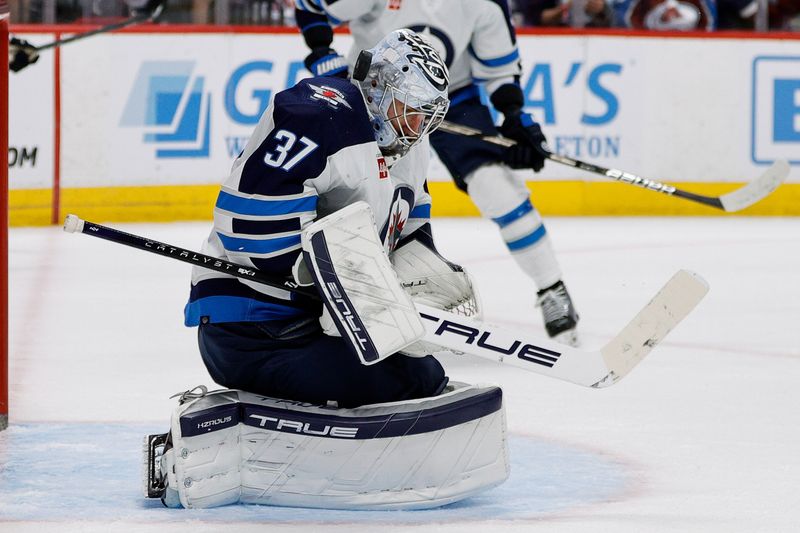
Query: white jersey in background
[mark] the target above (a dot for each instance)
(474, 37)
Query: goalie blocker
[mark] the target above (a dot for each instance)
(229, 446)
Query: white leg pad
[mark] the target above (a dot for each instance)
(235, 447)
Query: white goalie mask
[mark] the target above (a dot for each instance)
(405, 89)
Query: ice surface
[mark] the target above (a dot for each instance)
(702, 436)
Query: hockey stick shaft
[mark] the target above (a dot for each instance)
(731, 202)
(136, 19)
(74, 224)
(464, 335)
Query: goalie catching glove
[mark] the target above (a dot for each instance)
(432, 280)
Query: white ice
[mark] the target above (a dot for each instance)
(703, 436)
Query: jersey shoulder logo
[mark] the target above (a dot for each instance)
(333, 97)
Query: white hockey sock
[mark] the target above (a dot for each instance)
(499, 195)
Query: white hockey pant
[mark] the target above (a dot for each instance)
(503, 197)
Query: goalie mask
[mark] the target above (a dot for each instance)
(404, 82)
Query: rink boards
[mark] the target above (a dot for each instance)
(144, 124)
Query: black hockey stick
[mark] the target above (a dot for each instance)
(135, 19)
(456, 333)
(741, 198)
(74, 224)
(22, 53)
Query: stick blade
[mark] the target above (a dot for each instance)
(756, 190)
(672, 304)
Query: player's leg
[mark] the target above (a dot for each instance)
(501, 196)
(298, 362)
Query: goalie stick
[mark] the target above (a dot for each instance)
(598, 368)
(741, 198)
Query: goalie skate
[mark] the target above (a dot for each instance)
(560, 317)
(153, 449)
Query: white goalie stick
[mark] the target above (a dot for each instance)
(741, 198)
(598, 368)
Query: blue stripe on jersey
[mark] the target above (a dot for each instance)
(463, 94)
(518, 212)
(258, 207)
(263, 227)
(235, 309)
(229, 300)
(313, 24)
(496, 61)
(421, 211)
(258, 246)
(304, 6)
(528, 240)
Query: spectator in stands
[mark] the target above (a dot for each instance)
(736, 14)
(680, 15)
(784, 15)
(574, 13)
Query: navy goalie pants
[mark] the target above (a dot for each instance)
(295, 360)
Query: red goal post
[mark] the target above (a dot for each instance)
(4, 15)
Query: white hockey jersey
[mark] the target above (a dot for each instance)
(312, 153)
(475, 37)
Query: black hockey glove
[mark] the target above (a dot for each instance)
(21, 54)
(325, 61)
(145, 8)
(529, 151)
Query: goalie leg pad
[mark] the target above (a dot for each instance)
(236, 447)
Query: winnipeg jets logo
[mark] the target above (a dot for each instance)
(400, 210)
(427, 59)
(330, 95)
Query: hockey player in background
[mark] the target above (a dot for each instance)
(321, 145)
(478, 43)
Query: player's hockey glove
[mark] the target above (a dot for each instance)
(529, 152)
(324, 61)
(145, 8)
(21, 54)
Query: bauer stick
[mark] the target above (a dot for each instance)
(598, 369)
(741, 198)
(135, 19)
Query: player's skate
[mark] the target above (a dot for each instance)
(560, 318)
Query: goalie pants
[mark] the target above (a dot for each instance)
(295, 360)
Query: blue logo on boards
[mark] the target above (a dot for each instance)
(168, 103)
(776, 109)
